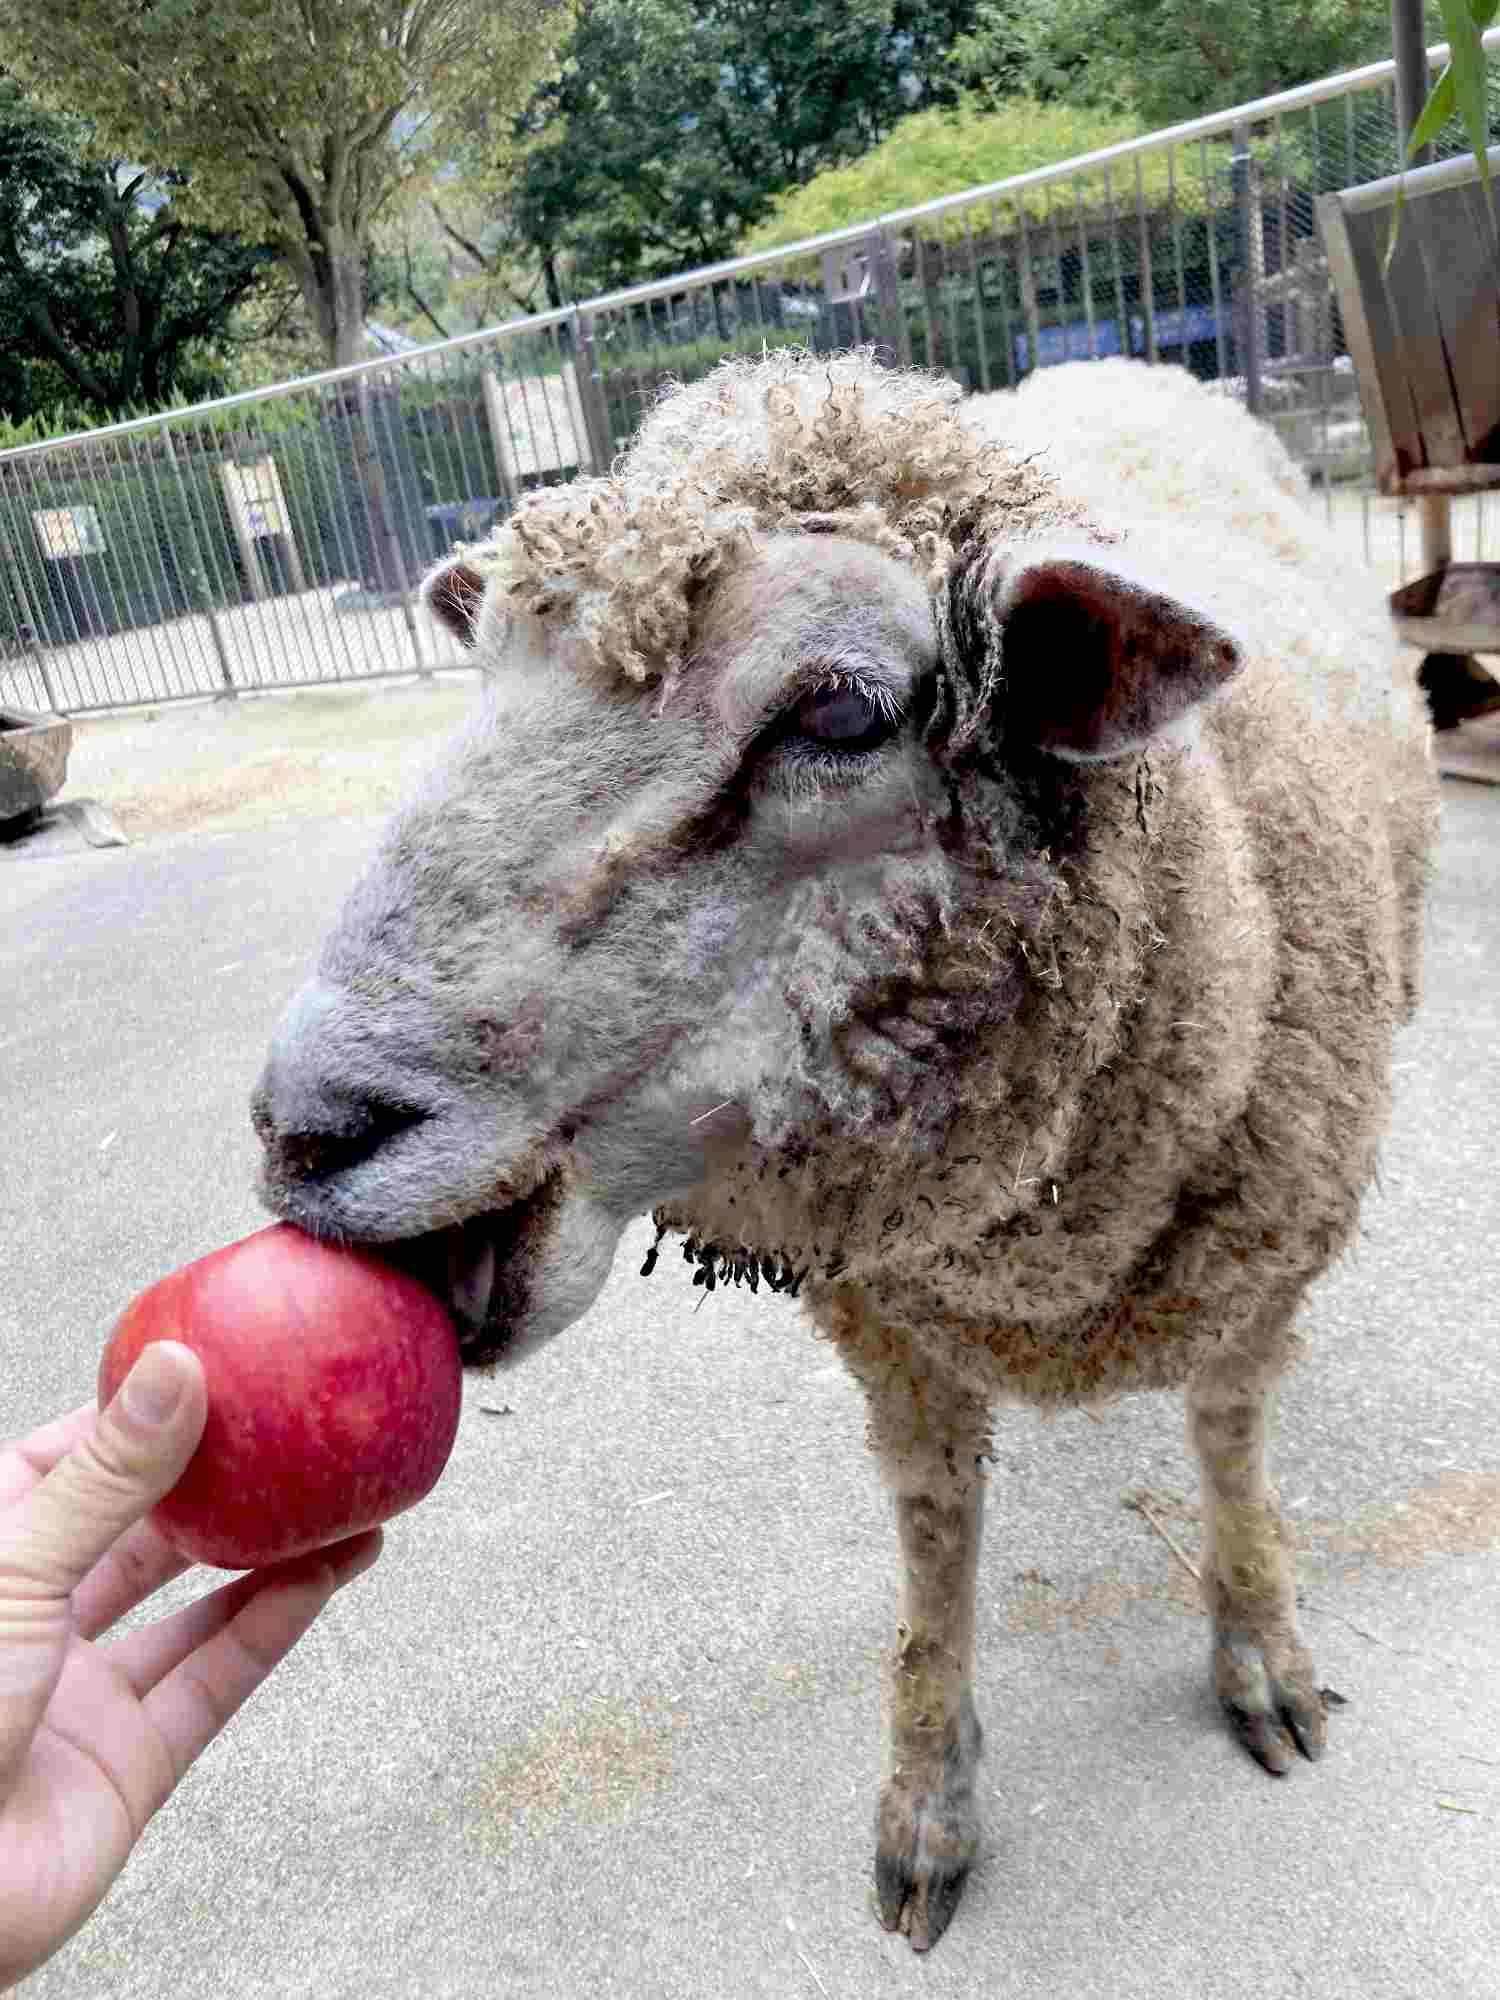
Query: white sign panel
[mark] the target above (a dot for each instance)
(68, 531)
(254, 494)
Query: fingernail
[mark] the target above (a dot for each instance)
(154, 1387)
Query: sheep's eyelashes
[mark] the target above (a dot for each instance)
(843, 718)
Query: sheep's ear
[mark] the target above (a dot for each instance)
(454, 594)
(1095, 660)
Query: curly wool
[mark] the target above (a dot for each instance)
(790, 443)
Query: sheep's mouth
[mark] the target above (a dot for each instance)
(482, 1268)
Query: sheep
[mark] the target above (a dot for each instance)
(961, 864)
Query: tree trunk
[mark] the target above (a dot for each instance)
(329, 269)
(347, 282)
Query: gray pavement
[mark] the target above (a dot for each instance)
(603, 1720)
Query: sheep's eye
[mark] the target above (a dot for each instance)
(844, 718)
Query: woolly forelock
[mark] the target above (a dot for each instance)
(793, 442)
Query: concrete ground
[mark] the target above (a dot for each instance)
(603, 1720)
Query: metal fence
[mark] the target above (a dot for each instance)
(275, 538)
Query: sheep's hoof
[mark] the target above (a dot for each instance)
(1272, 1700)
(926, 1842)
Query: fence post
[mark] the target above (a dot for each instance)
(1252, 259)
(591, 391)
(34, 647)
(1409, 47)
(1146, 279)
(1026, 279)
(578, 422)
(496, 416)
(227, 689)
(372, 477)
(884, 262)
(29, 621)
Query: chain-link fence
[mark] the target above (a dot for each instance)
(277, 537)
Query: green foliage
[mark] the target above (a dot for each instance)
(1463, 89)
(298, 120)
(938, 152)
(65, 419)
(1165, 60)
(672, 123)
(109, 300)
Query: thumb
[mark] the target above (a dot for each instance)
(137, 1451)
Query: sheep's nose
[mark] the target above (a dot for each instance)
(313, 1121)
(349, 1130)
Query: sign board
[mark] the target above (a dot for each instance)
(536, 422)
(68, 531)
(847, 276)
(256, 501)
(262, 525)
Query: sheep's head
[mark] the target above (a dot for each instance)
(770, 898)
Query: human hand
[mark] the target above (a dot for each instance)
(93, 1739)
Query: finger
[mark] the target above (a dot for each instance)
(52, 1538)
(134, 1453)
(133, 1570)
(149, 1655)
(195, 1700)
(28, 1459)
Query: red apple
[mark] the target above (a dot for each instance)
(334, 1386)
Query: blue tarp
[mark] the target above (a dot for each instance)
(1176, 326)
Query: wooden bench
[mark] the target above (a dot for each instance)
(1424, 336)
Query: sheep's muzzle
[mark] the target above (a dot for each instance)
(482, 1268)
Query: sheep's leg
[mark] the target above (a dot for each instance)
(929, 1436)
(1263, 1674)
(927, 1826)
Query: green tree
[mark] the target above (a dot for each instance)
(299, 121)
(1165, 60)
(108, 297)
(937, 152)
(672, 124)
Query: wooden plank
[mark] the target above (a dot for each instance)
(1456, 610)
(1419, 345)
(1461, 258)
(1455, 479)
(1448, 635)
(1371, 343)
(1435, 518)
(1480, 366)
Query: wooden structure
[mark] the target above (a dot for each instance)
(1424, 334)
(33, 763)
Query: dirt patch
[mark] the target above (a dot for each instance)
(1459, 1516)
(1041, 1607)
(251, 790)
(309, 754)
(587, 1766)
